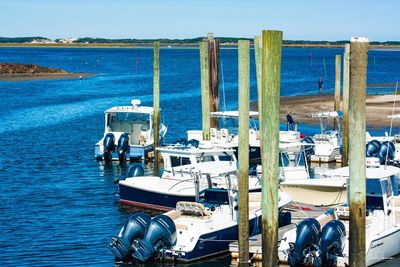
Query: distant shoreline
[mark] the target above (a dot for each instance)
(41, 76)
(171, 45)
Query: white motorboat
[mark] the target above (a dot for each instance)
(194, 229)
(323, 241)
(328, 141)
(228, 136)
(128, 133)
(331, 188)
(177, 182)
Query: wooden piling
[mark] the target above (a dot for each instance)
(271, 71)
(244, 105)
(205, 95)
(346, 83)
(213, 74)
(258, 59)
(156, 104)
(357, 183)
(338, 62)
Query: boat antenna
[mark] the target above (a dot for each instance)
(223, 85)
(391, 122)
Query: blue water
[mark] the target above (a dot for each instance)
(57, 203)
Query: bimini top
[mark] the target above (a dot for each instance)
(135, 108)
(232, 114)
(328, 114)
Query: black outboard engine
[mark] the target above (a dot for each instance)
(332, 242)
(193, 143)
(135, 170)
(310, 148)
(123, 147)
(285, 218)
(372, 148)
(386, 150)
(307, 237)
(135, 227)
(109, 145)
(160, 234)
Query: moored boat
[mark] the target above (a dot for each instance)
(128, 133)
(194, 229)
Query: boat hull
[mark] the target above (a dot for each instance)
(384, 247)
(315, 194)
(213, 243)
(155, 200)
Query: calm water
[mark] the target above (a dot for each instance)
(57, 203)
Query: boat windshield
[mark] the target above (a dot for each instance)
(131, 117)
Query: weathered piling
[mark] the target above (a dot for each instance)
(156, 104)
(213, 74)
(205, 88)
(338, 62)
(244, 105)
(258, 59)
(345, 103)
(271, 71)
(357, 183)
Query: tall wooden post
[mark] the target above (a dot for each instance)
(213, 74)
(244, 105)
(156, 104)
(205, 95)
(346, 83)
(271, 71)
(338, 63)
(258, 59)
(357, 168)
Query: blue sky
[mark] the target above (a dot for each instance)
(305, 20)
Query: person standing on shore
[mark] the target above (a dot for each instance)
(290, 121)
(320, 85)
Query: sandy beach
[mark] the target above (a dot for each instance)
(378, 108)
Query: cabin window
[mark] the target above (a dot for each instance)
(205, 159)
(225, 158)
(179, 161)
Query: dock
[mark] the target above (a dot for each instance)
(299, 212)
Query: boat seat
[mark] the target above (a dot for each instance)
(342, 212)
(192, 209)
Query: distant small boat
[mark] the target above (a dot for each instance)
(128, 133)
(328, 141)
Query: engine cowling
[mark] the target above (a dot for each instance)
(135, 227)
(123, 147)
(386, 151)
(307, 238)
(372, 148)
(109, 145)
(161, 233)
(135, 170)
(332, 241)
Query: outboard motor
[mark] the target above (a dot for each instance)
(307, 237)
(193, 142)
(310, 148)
(372, 148)
(123, 147)
(135, 170)
(285, 218)
(135, 227)
(109, 145)
(332, 242)
(160, 234)
(386, 150)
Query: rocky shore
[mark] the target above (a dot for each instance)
(26, 72)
